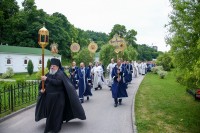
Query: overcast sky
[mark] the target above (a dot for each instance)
(147, 17)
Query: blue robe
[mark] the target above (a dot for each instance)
(129, 70)
(73, 77)
(119, 88)
(83, 77)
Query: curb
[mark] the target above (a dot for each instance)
(133, 110)
(15, 113)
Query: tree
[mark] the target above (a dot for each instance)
(131, 38)
(184, 39)
(48, 64)
(165, 60)
(106, 54)
(8, 8)
(131, 53)
(30, 67)
(84, 56)
(146, 53)
(118, 29)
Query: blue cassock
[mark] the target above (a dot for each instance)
(129, 70)
(83, 77)
(119, 88)
(73, 77)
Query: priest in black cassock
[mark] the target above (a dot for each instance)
(119, 84)
(59, 101)
(84, 82)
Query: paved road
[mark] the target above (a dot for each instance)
(102, 116)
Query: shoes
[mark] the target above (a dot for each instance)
(96, 89)
(120, 101)
(88, 98)
(115, 105)
(82, 101)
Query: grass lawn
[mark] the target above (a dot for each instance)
(163, 106)
(25, 76)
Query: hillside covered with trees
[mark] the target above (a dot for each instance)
(19, 27)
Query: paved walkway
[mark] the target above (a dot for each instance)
(102, 116)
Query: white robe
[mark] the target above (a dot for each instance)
(98, 72)
(143, 66)
(135, 69)
(109, 69)
(140, 68)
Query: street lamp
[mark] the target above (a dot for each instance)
(43, 40)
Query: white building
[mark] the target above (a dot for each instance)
(18, 57)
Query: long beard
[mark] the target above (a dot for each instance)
(52, 72)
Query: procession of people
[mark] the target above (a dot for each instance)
(62, 97)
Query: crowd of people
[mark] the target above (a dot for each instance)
(61, 97)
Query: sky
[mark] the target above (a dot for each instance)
(147, 17)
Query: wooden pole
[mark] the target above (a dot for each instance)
(42, 67)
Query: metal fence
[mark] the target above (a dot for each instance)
(16, 95)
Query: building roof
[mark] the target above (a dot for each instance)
(24, 50)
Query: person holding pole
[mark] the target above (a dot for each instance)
(58, 101)
(119, 84)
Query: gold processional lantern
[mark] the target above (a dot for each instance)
(92, 47)
(43, 40)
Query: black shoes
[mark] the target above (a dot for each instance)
(115, 105)
(120, 101)
(88, 98)
(82, 101)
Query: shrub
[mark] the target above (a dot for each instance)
(48, 64)
(8, 74)
(156, 69)
(30, 67)
(39, 73)
(162, 74)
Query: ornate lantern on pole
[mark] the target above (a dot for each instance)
(43, 40)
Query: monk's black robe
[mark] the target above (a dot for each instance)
(59, 103)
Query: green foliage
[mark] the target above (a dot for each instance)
(84, 56)
(131, 53)
(131, 38)
(146, 53)
(162, 74)
(184, 39)
(20, 81)
(39, 73)
(48, 64)
(165, 60)
(106, 54)
(156, 69)
(8, 74)
(30, 67)
(118, 29)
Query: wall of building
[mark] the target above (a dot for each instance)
(17, 62)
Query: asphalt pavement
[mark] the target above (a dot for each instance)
(102, 116)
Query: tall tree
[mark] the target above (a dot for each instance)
(184, 39)
(118, 29)
(131, 38)
(8, 8)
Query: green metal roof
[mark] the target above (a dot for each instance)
(24, 50)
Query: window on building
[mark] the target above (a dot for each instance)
(25, 61)
(8, 61)
(40, 61)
